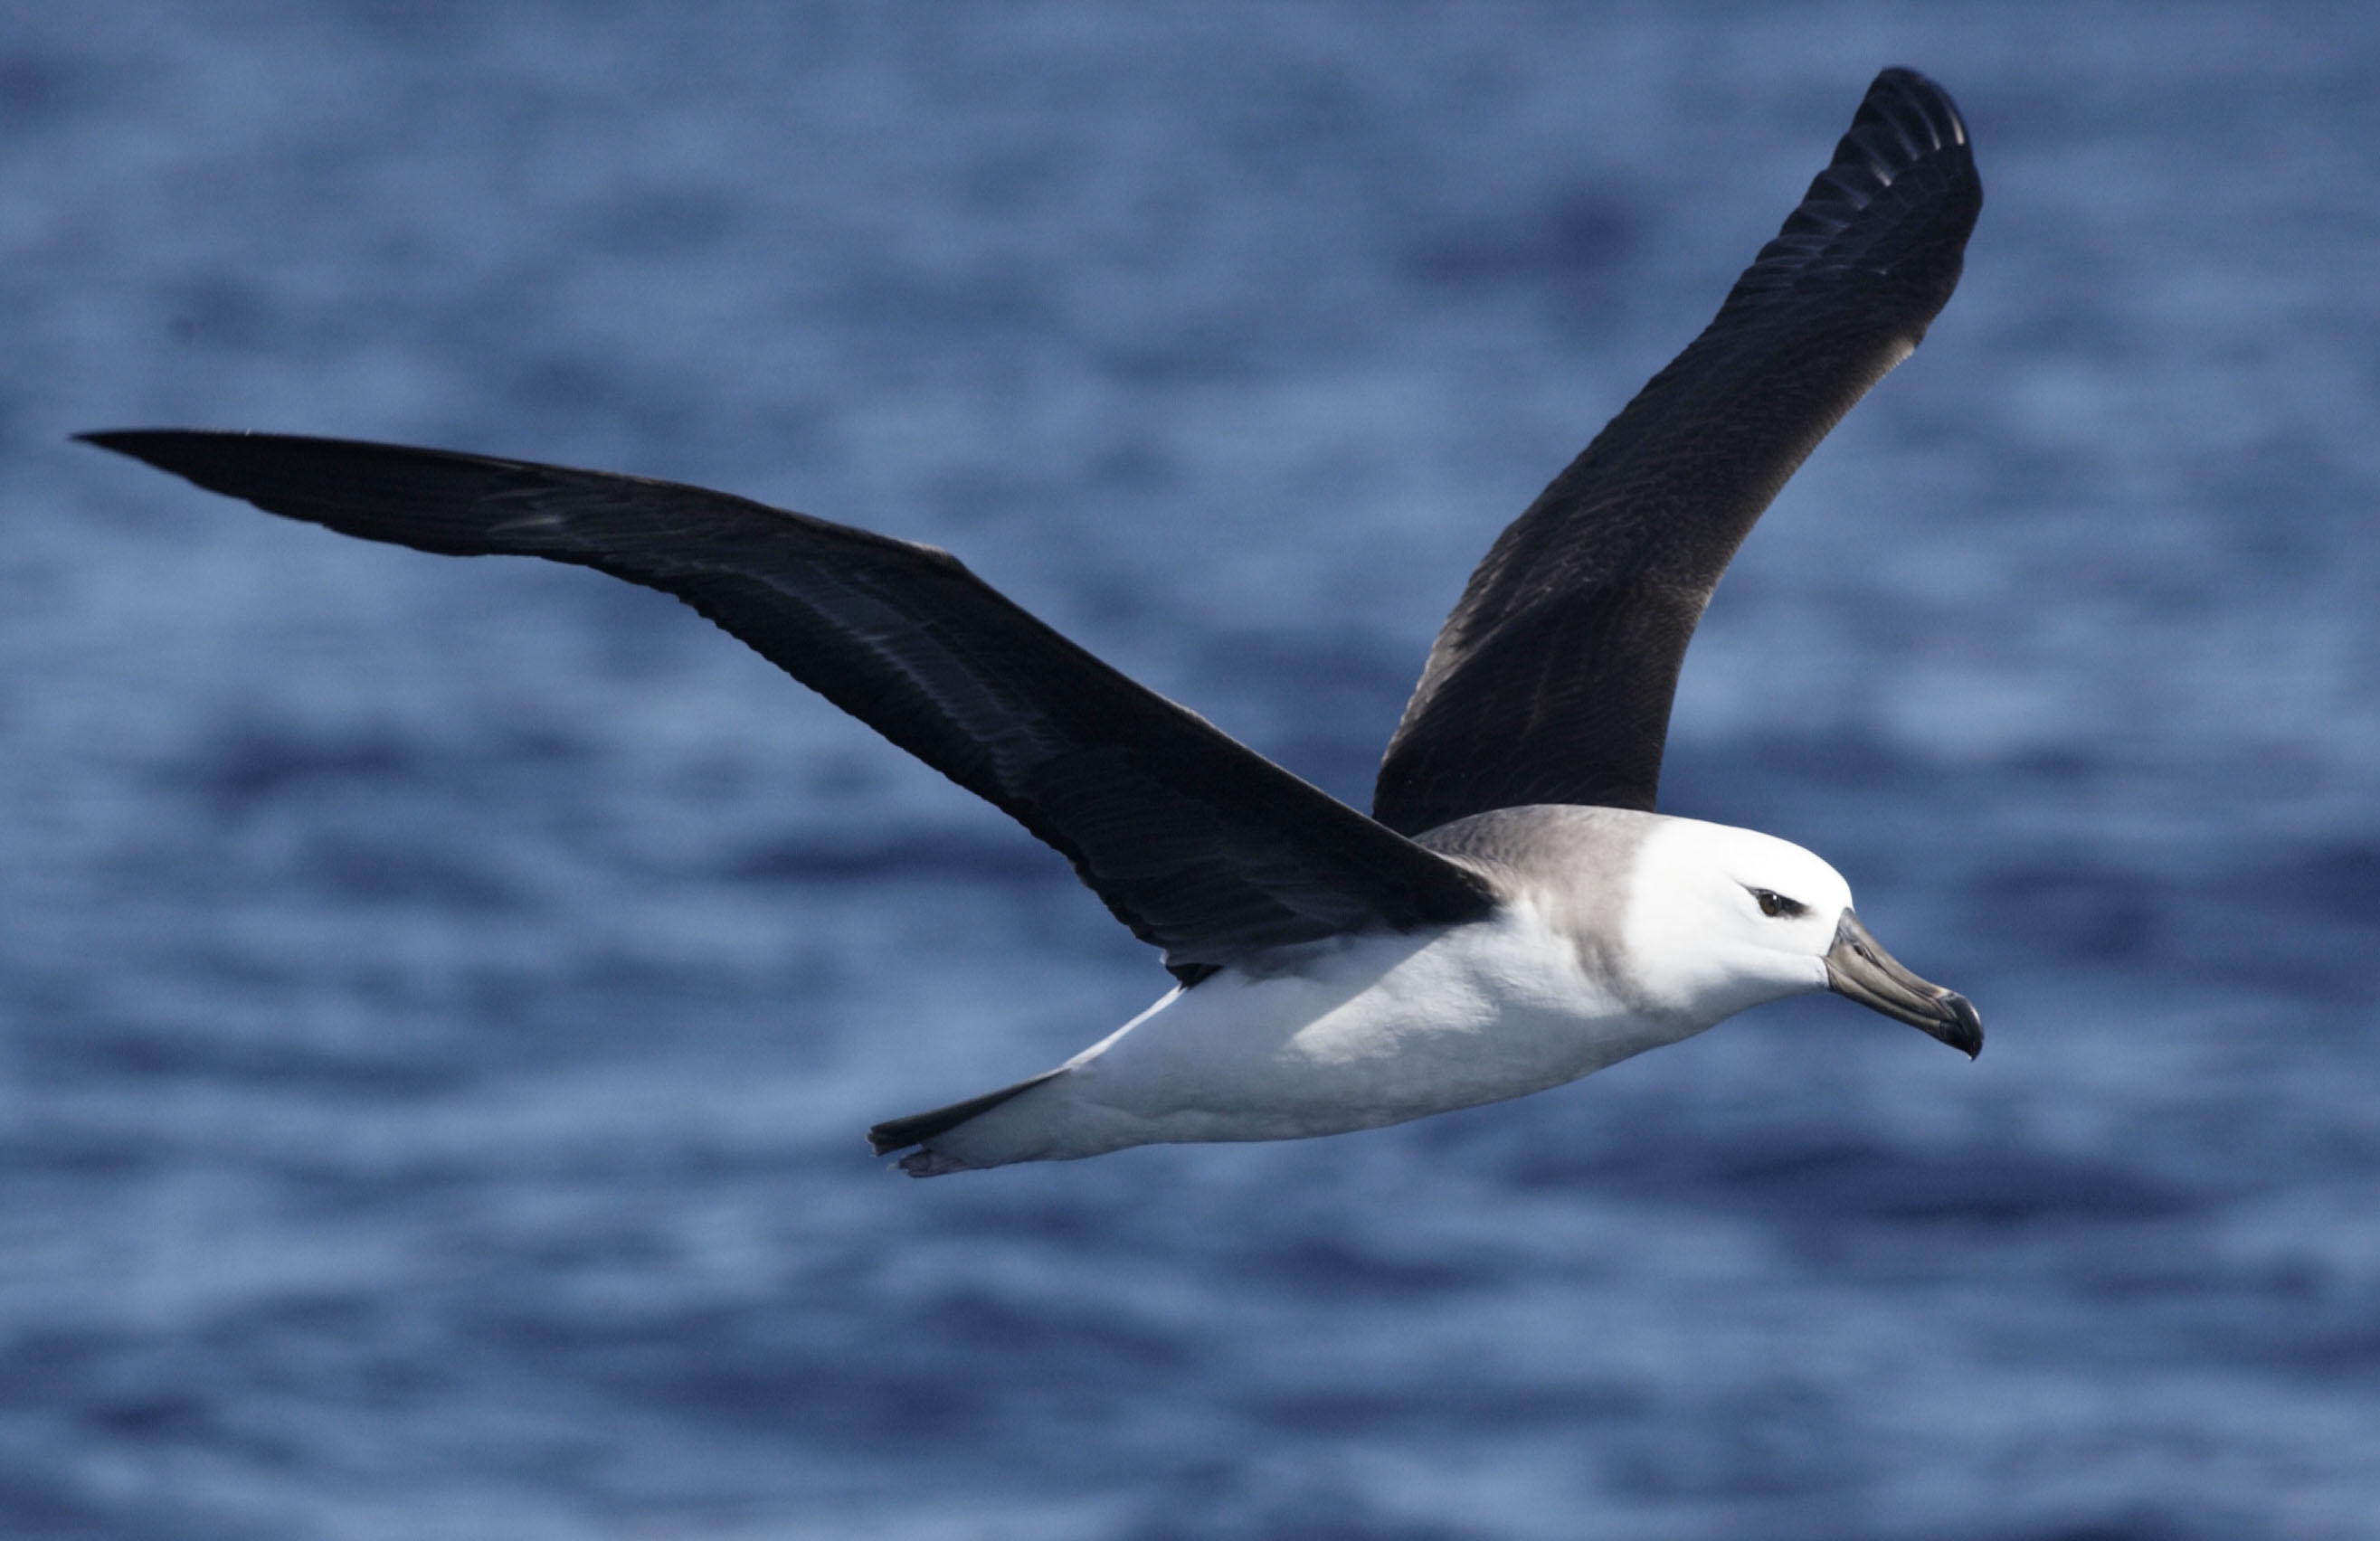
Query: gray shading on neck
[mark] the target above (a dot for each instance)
(1576, 864)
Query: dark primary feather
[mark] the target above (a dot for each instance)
(1551, 680)
(1198, 843)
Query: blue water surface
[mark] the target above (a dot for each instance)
(440, 1001)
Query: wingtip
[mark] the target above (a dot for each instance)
(141, 443)
(1898, 85)
(1902, 185)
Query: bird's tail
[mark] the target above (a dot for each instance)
(899, 1133)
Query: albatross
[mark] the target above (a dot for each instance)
(1513, 913)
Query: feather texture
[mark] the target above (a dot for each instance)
(1552, 679)
(1198, 843)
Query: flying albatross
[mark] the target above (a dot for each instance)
(1515, 914)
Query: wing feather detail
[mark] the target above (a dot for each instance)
(1551, 682)
(1201, 845)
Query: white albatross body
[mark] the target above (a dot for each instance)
(1617, 932)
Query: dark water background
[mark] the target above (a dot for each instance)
(440, 1001)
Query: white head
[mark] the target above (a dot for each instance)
(1719, 919)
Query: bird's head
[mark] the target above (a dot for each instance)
(1720, 919)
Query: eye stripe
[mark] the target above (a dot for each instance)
(1775, 904)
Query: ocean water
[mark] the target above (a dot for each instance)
(440, 1001)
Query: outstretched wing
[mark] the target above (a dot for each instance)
(1551, 681)
(1198, 843)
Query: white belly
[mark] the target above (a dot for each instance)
(1371, 1031)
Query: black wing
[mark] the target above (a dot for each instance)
(1198, 843)
(1551, 681)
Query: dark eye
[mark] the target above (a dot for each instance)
(1773, 902)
